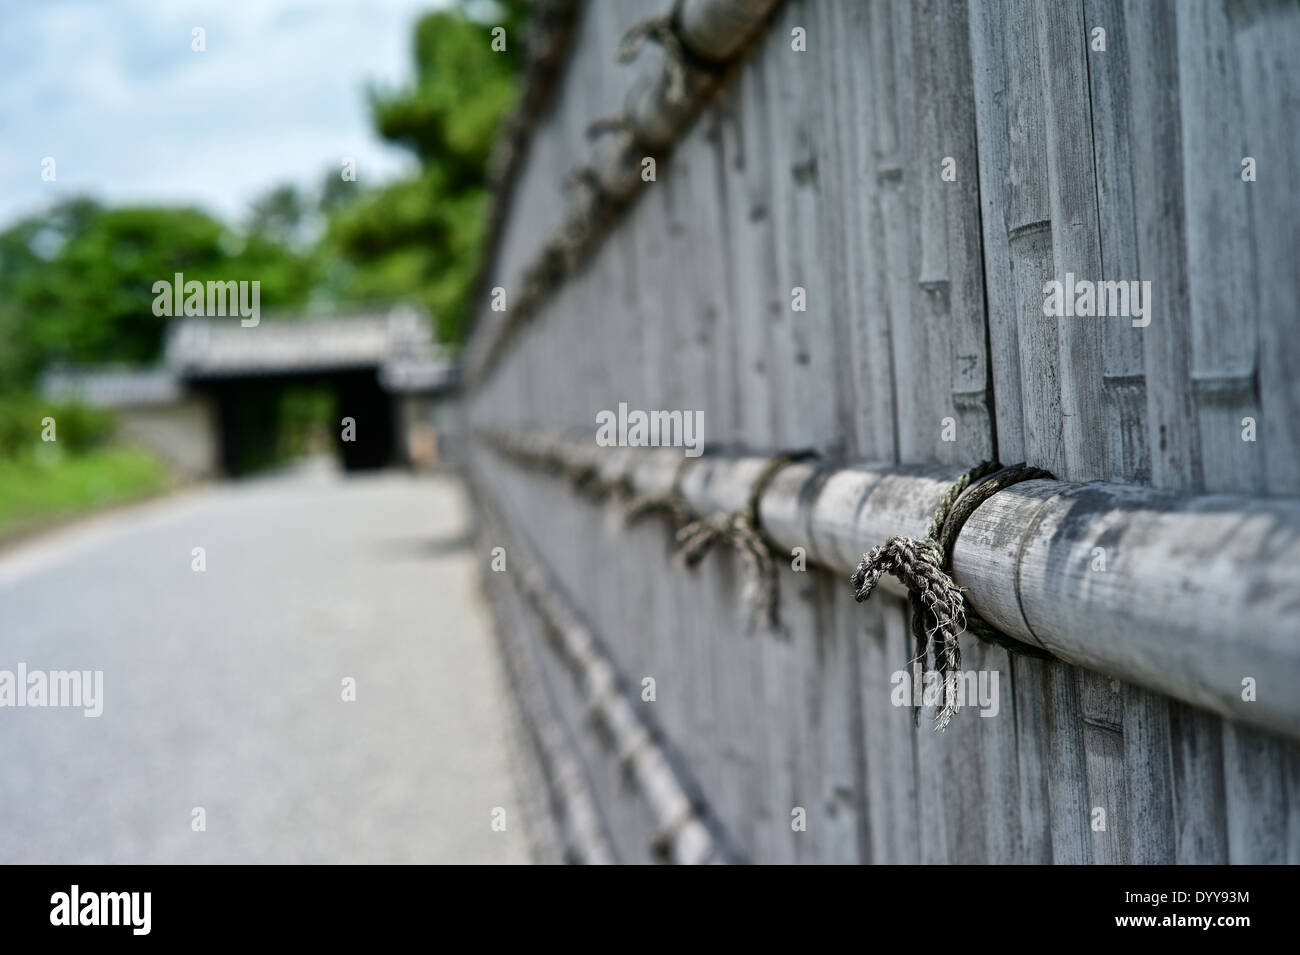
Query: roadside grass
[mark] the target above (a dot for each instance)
(41, 486)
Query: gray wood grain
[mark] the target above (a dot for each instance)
(821, 169)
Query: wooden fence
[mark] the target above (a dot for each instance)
(915, 172)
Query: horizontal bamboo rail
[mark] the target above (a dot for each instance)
(1186, 595)
(581, 837)
(670, 80)
(686, 833)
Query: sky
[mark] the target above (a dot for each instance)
(113, 92)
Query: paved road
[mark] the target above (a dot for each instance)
(223, 689)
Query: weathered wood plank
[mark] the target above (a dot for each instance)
(890, 62)
(821, 169)
(1024, 356)
(949, 365)
(1173, 438)
(1220, 258)
(1075, 246)
(1156, 151)
(1125, 387)
(839, 207)
(1030, 678)
(964, 273)
(802, 358)
(748, 164)
(1266, 36)
(1261, 773)
(687, 831)
(1027, 217)
(889, 746)
(990, 89)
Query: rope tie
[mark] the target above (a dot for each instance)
(584, 477)
(741, 529)
(939, 612)
(621, 488)
(659, 30)
(587, 212)
(588, 479)
(608, 124)
(545, 273)
(561, 252)
(591, 481)
(760, 594)
(549, 457)
(583, 178)
(668, 502)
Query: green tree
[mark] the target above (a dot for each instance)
(279, 215)
(420, 238)
(76, 285)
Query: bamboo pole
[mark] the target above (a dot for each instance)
(685, 833)
(1197, 597)
(710, 31)
(584, 838)
(717, 30)
(663, 95)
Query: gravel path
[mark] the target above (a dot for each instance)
(223, 688)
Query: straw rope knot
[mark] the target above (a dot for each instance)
(637, 507)
(938, 608)
(742, 530)
(607, 125)
(760, 593)
(644, 505)
(658, 30)
(939, 612)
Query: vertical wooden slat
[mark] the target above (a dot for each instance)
(1266, 36)
(805, 340)
(1222, 306)
(743, 173)
(748, 166)
(1066, 763)
(990, 87)
(1024, 357)
(1173, 438)
(822, 169)
(1261, 773)
(1075, 247)
(916, 261)
(1125, 386)
(955, 138)
(1141, 822)
(1156, 151)
(888, 745)
(1029, 693)
(895, 301)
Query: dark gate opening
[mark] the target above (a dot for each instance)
(263, 421)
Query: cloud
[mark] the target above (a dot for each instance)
(114, 92)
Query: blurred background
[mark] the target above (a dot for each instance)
(336, 153)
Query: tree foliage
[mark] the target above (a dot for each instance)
(420, 238)
(76, 283)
